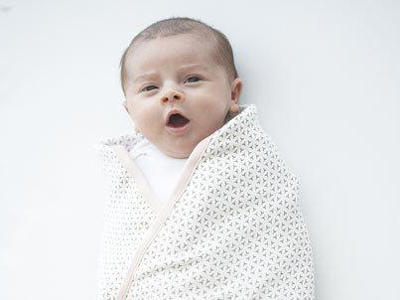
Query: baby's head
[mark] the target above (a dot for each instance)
(183, 66)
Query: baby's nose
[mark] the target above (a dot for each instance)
(172, 95)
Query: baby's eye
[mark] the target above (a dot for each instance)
(145, 89)
(193, 77)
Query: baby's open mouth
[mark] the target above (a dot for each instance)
(177, 120)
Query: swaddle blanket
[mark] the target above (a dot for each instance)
(231, 229)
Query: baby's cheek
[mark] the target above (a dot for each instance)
(151, 120)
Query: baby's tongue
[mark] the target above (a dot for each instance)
(177, 121)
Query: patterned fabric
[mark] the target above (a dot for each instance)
(236, 231)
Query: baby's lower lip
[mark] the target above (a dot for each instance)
(178, 130)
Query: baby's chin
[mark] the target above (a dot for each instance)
(177, 151)
(177, 147)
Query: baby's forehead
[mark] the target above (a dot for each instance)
(170, 53)
(183, 45)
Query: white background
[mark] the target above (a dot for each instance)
(324, 75)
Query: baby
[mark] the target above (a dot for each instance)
(201, 206)
(180, 82)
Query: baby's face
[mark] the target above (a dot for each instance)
(177, 73)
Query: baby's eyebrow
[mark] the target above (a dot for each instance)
(144, 76)
(185, 67)
(193, 66)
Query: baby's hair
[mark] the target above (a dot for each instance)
(222, 55)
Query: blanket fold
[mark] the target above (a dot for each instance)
(232, 228)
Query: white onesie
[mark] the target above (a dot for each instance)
(161, 171)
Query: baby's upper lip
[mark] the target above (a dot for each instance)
(171, 112)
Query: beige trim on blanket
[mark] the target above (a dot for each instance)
(161, 209)
(140, 178)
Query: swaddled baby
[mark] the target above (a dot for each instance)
(201, 206)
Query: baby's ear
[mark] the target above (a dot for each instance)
(236, 89)
(235, 94)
